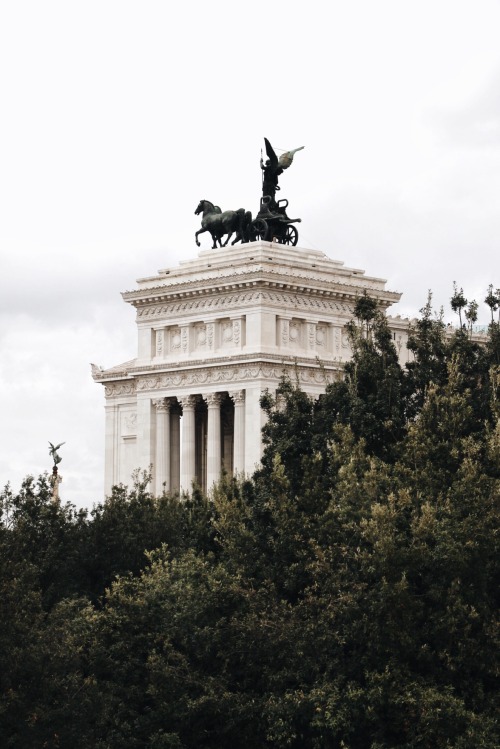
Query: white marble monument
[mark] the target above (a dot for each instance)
(213, 334)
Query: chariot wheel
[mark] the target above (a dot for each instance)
(260, 229)
(291, 235)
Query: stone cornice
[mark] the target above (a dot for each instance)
(226, 377)
(262, 277)
(228, 369)
(243, 299)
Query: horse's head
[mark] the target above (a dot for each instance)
(201, 207)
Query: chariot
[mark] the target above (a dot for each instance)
(272, 223)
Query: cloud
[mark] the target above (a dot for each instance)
(477, 124)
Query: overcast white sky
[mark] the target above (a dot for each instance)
(117, 117)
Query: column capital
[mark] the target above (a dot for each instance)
(162, 404)
(188, 402)
(237, 396)
(213, 399)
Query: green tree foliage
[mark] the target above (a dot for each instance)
(458, 301)
(344, 597)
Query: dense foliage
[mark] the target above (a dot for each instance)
(346, 596)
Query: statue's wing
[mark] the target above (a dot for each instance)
(286, 158)
(56, 447)
(270, 153)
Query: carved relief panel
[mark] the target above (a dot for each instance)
(128, 421)
(226, 333)
(283, 331)
(322, 337)
(159, 343)
(296, 333)
(174, 340)
(200, 338)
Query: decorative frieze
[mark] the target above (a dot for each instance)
(237, 301)
(218, 375)
(119, 388)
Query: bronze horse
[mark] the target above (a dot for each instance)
(218, 223)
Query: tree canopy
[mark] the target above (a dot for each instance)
(345, 596)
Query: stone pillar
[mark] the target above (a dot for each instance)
(239, 431)
(188, 452)
(255, 419)
(213, 439)
(175, 447)
(111, 447)
(162, 472)
(146, 434)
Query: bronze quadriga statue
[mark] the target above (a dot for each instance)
(271, 222)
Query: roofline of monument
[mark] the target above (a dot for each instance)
(133, 373)
(267, 279)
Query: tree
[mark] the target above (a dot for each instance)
(492, 300)
(428, 344)
(458, 301)
(369, 398)
(345, 596)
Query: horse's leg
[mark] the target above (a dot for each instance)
(200, 231)
(230, 234)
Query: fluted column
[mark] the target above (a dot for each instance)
(213, 439)
(188, 451)
(162, 445)
(239, 431)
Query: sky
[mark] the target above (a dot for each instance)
(118, 117)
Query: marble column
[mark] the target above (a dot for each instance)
(162, 445)
(213, 439)
(238, 398)
(175, 446)
(111, 476)
(188, 452)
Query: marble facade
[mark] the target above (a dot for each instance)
(214, 333)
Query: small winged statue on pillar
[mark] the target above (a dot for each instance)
(55, 479)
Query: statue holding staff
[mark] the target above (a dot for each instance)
(272, 168)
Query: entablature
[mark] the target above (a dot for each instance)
(262, 279)
(240, 371)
